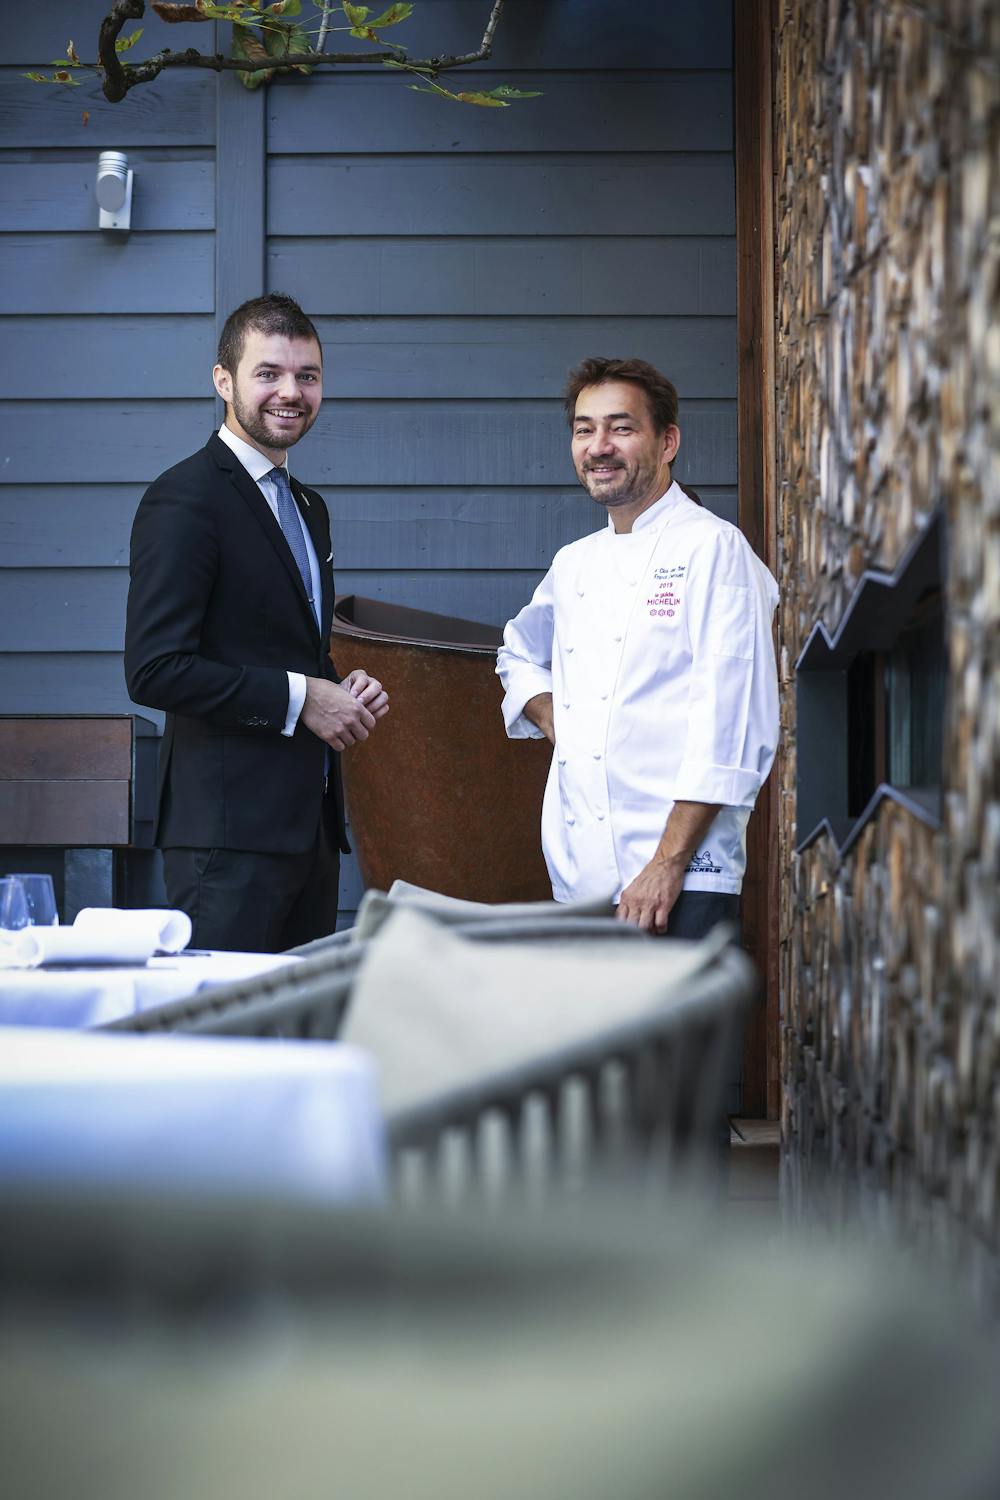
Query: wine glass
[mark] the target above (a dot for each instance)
(13, 911)
(40, 895)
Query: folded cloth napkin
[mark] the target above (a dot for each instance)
(100, 935)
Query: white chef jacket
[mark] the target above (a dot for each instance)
(656, 646)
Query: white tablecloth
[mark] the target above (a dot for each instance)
(195, 1114)
(75, 998)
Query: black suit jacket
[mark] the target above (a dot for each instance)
(217, 617)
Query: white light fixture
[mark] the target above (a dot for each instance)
(114, 190)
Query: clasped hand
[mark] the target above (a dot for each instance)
(343, 714)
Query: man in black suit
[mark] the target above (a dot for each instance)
(228, 627)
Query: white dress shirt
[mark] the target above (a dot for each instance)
(656, 646)
(258, 465)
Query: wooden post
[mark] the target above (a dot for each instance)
(753, 124)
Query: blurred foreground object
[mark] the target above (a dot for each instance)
(275, 1349)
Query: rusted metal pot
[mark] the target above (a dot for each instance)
(439, 795)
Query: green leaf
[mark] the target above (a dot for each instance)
(282, 37)
(504, 91)
(392, 16)
(126, 43)
(356, 14)
(246, 44)
(286, 8)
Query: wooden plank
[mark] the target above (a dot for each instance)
(172, 356)
(106, 441)
(87, 525)
(150, 273)
(354, 443)
(64, 812)
(65, 749)
(536, 195)
(490, 597)
(38, 33)
(517, 356)
(67, 610)
(755, 314)
(575, 33)
(649, 277)
(239, 242)
(42, 682)
(636, 111)
(157, 355)
(171, 111)
(59, 195)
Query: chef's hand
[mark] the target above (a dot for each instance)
(334, 715)
(649, 900)
(539, 710)
(368, 691)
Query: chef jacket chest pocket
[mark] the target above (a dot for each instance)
(731, 621)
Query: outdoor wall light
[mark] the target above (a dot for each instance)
(114, 190)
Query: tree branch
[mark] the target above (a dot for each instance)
(116, 79)
(120, 77)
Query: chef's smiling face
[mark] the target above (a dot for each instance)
(275, 395)
(620, 458)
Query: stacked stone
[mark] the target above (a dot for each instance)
(887, 163)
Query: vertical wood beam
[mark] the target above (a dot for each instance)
(753, 124)
(240, 203)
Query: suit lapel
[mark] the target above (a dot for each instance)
(250, 493)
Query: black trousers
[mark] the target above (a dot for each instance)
(248, 902)
(695, 913)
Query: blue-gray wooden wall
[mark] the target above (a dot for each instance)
(456, 260)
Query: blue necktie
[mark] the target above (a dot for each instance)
(288, 520)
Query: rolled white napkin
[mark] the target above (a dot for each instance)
(165, 929)
(100, 935)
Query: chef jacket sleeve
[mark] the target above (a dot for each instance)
(732, 711)
(524, 661)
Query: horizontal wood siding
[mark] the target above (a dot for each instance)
(110, 343)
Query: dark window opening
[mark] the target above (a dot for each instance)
(895, 711)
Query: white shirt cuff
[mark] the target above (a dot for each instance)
(296, 698)
(726, 786)
(518, 727)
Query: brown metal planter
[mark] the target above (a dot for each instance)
(438, 795)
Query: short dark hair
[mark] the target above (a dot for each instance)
(273, 313)
(660, 392)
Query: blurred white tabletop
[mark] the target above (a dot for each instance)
(221, 1115)
(73, 998)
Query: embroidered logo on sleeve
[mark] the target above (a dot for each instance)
(704, 864)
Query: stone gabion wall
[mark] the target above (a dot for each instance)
(887, 167)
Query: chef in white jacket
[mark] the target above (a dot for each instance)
(646, 657)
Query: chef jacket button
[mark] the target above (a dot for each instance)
(569, 649)
(604, 697)
(580, 592)
(571, 821)
(631, 582)
(600, 817)
(562, 760)
(597, 754)
(616, 637)
(565, 704)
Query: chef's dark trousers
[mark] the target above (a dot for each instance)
(693, 916)
(249, 902)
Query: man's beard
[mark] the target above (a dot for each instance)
(627, 486)
(255, 425)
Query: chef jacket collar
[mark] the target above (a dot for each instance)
(657, 514)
